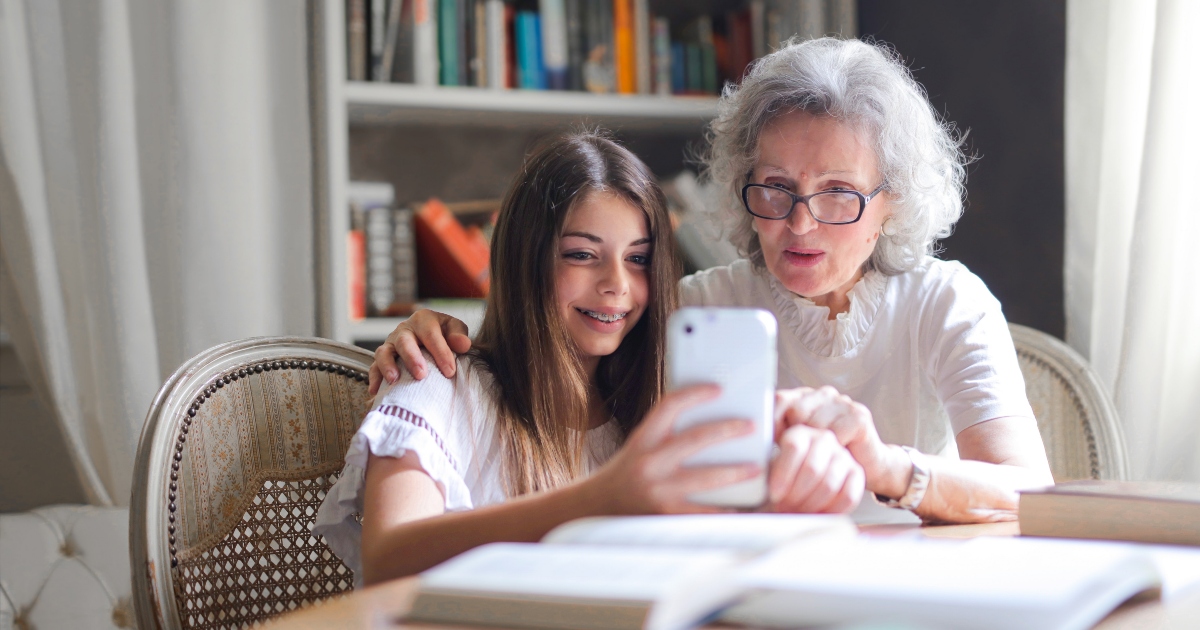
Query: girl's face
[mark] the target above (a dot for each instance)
(602, 273)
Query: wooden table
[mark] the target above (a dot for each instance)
(382, 606)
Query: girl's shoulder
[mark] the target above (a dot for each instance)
(470, 389)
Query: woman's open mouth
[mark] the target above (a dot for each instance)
(803, 257)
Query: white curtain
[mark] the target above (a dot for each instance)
(155, 200)
(1133, 219)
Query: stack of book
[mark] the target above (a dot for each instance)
(400, 254)
(601, 46)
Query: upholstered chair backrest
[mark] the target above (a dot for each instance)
(237, 453)
(1078, 422)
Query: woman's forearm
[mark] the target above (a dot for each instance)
(411, 547)
(1000, 457)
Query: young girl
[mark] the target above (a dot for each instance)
(543, 410)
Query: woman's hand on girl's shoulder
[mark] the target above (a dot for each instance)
(442, 335)
(648, 476)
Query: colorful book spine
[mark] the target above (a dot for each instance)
(624, 54)
(662, 57)
(554, 43)
(575, 43)
(643, 51)
(426, 64)
(447, 21)
(497, 43)
(679, 84)
(479, 45)
(450, 262)
(356, 40)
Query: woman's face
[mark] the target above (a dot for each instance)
(804, 154)
(602, 273)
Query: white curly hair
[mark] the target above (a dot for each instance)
(867, 86)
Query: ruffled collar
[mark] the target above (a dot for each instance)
(819, 334)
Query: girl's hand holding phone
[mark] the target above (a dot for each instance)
(648, 476)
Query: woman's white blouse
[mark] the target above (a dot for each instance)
(449, 423)
(927, 351)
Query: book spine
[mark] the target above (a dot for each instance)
(392, 36)
(758, 28)
(708, 55)
(497, 43)
(425, 43)
(642, 47)
(625, 57)
(450, 263)
(695, 69)
(462, 33)
(662, 56)
(539, 60)
(356, 267)
(525, 79)
(404, 256)
(479, 46)
(448, 41)
(576, 43)
(377, 33)
(679, 68)
(554, 43)
(356, 40)
(380, 283)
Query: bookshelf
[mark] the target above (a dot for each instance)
(339, 105)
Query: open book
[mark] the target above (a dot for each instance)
(676, 572)
(656, 572)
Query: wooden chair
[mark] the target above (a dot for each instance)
(1078, 422)
(237, 453)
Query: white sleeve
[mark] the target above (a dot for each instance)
(969, 352)
(409, 416)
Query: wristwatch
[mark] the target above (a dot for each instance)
(917, 483)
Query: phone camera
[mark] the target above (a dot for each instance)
(688, 329)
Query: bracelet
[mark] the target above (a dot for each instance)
(918, 483)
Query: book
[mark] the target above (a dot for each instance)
(450, 262)
(391, 42)
(598, 73)
(447, 41)
(643, 48)
(404, 257)
(554, 43)
(426, 64)
(356, 40)
(497, 45)
(373, 202)
(378, 35)
(1154, 512)
(984, 583)
(356, 270)
(575, 44)
(662, 56)
(657, 572)
(479, 45)
(624, 54)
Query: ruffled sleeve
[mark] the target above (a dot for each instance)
(431, 419)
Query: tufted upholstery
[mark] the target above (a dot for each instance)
(1077, 421)
(238, 450)
(65, 567)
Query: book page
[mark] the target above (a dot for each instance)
(741, 532)
(637, 574)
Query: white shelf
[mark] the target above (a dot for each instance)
(470, 312)
(398, 103)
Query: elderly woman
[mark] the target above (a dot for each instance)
(840, 180)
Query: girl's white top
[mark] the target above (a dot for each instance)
(927, 351)
(449, 423)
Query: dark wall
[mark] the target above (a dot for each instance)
(996, 69)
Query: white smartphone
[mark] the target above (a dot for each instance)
(733, 348)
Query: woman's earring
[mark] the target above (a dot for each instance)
(887, 229)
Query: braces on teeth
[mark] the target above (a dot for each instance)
(601, 316)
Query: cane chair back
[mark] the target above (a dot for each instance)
(1078, 422)
(237, 453)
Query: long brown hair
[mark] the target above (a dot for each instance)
(542, 390)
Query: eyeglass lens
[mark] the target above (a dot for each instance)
(830, 207)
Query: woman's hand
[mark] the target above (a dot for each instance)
(648, 476)
(886, 469)
(443, 336)
(813, 473)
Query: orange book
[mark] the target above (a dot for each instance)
(450, 262)
(624, 53)
(356, 273)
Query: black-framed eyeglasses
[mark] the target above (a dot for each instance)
(835, 207)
